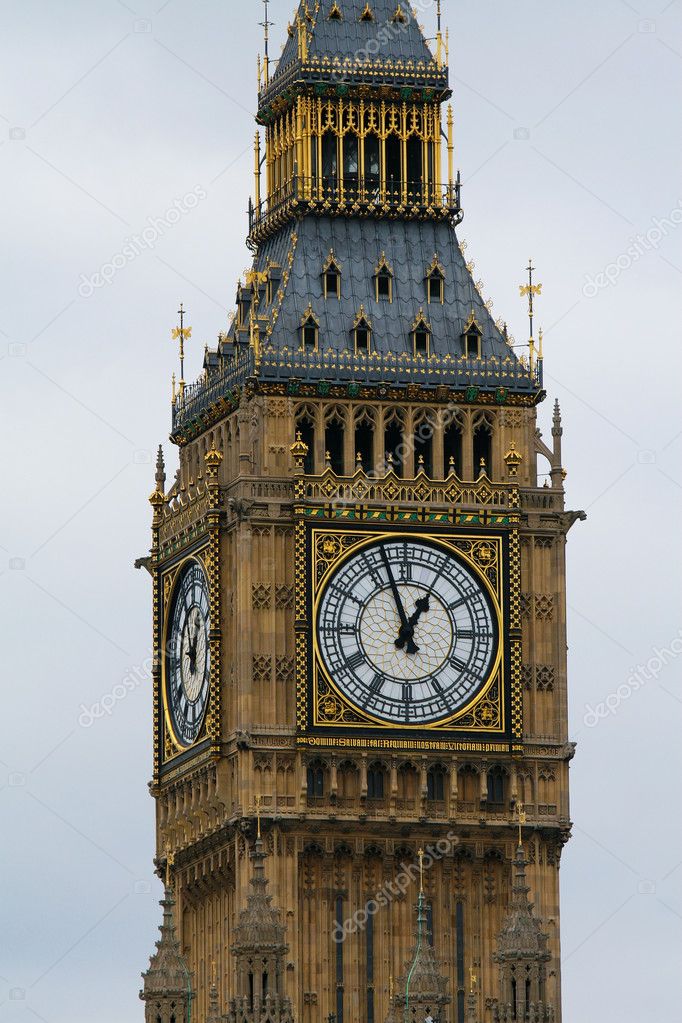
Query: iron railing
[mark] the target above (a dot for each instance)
(366, 196)
(346, 367)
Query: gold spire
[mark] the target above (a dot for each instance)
(530, 291)
(181, 334)
(451, 150)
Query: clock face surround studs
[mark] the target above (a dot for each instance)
(407, 631)
(188, 655)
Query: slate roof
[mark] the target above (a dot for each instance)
(350, 36)
(378, 53)
(409, 248)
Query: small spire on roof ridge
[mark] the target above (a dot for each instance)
(160, 475)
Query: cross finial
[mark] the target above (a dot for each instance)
(182, 334)
(530, 291)
(266, 25)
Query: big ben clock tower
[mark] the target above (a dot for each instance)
(360, 697)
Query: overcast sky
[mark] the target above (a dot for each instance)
(115, 111)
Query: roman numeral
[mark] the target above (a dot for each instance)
(356, 660)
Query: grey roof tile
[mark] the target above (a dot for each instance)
(352, 37)
(409, 247)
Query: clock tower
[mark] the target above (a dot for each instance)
(360, 695)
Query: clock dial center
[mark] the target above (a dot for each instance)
(380, 633)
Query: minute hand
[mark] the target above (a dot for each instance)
(406, 629)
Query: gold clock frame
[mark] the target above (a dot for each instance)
(169, 581)
(321, 549)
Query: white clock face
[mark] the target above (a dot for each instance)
(407, 631)
(188, 656)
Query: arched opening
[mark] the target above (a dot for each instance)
(393, 166)
(347, 784)
(372, 165)
(364, 442)
(330, 165)
(376, 775)
(468, 790)
(483, 449)
(472, 343)
(435, 286)
(332, 281)
(407, 786)
(497, 788)
(415, 166)
(452, 449)
(333, 443)
(435, 784)
(423, 447)
(315, 779)
(309, 334)
(393, 445)
(421, 338)
(363, 337)
(306, 427)
(384, 282)
(351, 165)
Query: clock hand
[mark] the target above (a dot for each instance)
(406, 631)
(406, 635)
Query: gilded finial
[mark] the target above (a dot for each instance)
(513, 460)
(181, 334)
(299, 450)
(530, 291)
(170, 860)
(420, 854)
(521, 816)
(473, 980)
(160, 475)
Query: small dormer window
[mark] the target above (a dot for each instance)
(363, 333)
(310, 331)
(331, 275)
(421, 336)
(384, 285)
(436, 287)
(332, 283)
(335, 12)
(472, 336)
(383, 278)
(399, 15)
(435, 282)
(421, 341)
(367, 14)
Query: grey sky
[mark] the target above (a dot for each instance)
(568, 138)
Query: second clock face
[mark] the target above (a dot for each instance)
(407, 631)
(188, 656)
